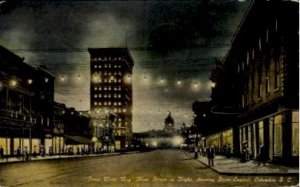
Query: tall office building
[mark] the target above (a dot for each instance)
(111, 91)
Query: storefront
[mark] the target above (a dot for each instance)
(278, 132)
(221, 140)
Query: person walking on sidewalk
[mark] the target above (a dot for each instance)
(1, 151)
(196, 152)
(263, 155)
(210, 153)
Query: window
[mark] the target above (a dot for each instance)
(238, 68)
(267, 82)
(278, 135)
(95, 103)
(95, 95)
(259, 44)
(276, 72)
(259, 93)
(260, 132)
(100, 95)
(253, 53)
(247, 58)
(295, 133)
(276, 25)
(267, 36)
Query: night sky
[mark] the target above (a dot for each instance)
(173, 45)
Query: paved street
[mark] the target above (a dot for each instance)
(158, 168)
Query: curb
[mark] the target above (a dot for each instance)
(63, 158)
(243, 174)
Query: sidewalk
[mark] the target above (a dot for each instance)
(233, 166)
(40, 158)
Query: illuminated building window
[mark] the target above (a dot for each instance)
(105, 65)
(95, 96)
(115, 103)
(96, 88)
(115, 66)
(99, 66)
(115, 88)
(115, 80)
(109, 66)
(105, 103)
(124, 110)
(119, 73)
(105, 80)
(120, 103)
(99, 58)
(100, 88)
(253, 54)
(119, 66)
(105, 88)
(95, 66)
(247, 58)
(119, 88)
(105, 58)
(109, 95)
(238, 68)
(119, 95)
(95, 103)
(115, 58)
(119, 80)
(109, 58)
(115, 95)
(109, 88)
(105, 72)
(115, 73)
(115, 110)
(100, 95)
(119, 119)
(120, 58)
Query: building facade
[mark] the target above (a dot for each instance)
(111, 92)
(26, 110)
(258, 78)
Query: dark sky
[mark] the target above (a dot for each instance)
(173, 44)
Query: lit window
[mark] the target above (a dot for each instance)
(95, 96)
(115, 73)
(105, 103)
(99, 66)
(247, 58)
(109, 95)
(253, 55)
(124, 110)
(120, 58)
(105, 88)
(100, 58)
(105, 73)
(115, 110)
(115, 58)
(119, 73)
(115, 88)
(115, 103)
(95, 66)
(100, 88)
(119, 66)
(119, 95)
(119, 80)
(109, 66)
(238, 68)
(105, 80)
(120, 103)
(95, 88)
(109, 88)
(115, 66)
(259, 44)
(100, 95)
(105, 96)
(95, 103)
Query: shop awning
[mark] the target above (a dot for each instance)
(75, 140)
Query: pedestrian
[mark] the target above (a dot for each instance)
(263, 155)
(19, 152)
(244, 152)
(229, 150)
(196, 152)
(210, 153)
(1, 151)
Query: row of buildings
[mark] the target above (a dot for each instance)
(255, 100)
(31, 121)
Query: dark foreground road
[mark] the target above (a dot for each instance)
(156, 168)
